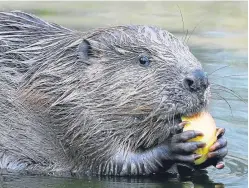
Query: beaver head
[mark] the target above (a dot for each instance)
(139, 81)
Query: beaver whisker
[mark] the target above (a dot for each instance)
(223, 98)
(191, 33)
(186, 35)
(231, 75)
(183, 29)
(227, 90)
(220, 68)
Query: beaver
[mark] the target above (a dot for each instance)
(107, 101)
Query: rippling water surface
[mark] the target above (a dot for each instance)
(219, 41)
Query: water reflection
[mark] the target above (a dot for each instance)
(234, 172)
(106, 182)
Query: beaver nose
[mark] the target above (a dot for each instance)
(198, 80)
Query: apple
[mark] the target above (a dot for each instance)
(205, 123)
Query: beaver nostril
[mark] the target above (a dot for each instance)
(196, 81)
(189, 83)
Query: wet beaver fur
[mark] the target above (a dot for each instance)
(106, 101)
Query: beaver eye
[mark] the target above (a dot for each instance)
(144, 61)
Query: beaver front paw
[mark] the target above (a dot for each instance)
(217, 151)
(179, 150)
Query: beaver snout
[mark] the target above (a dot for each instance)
(197, 81)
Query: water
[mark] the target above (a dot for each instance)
(219, 40)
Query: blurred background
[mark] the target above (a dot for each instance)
(224, 21)
(217, 34)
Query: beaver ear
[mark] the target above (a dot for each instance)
(85, 50)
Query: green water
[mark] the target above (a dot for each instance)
(219, 39)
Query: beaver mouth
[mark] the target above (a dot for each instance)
(177, 118)
(201, 106)
(172, 122)
(174, 116)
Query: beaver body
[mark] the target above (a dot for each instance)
(106, 101)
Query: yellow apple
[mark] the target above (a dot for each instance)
(203, 122)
